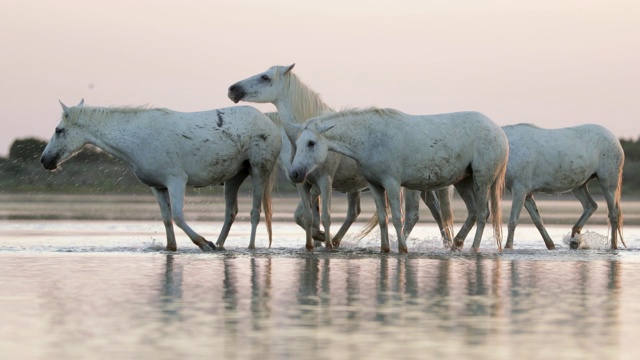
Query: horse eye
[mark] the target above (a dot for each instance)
(59, 131)
(265, 77)
(311, 143)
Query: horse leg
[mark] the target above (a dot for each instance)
(431, 200)
(612, 196)
(304, 190)
(165, 209)
(353, 210)
(532, 209)
(481, 196)
(589, 207)
(393, 194)
(257, 180)
(517, 203)
(231, 188)
(316, 233)
(324, 184)
(466, 193)
(444, 196)
(411, 210)
(176, 196)
(379, 198)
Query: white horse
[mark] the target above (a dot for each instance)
(428, 152)
(559, 160)
(169, 150)
(296, 102)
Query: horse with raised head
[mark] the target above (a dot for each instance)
(168, 150)
(554, 161)
(428, 152)
(296, 102)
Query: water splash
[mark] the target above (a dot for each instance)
(588, 241)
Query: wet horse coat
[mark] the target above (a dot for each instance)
(169, 150)
(560, 160)
(428, 152)
(296, 102)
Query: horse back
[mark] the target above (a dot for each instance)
(558, 160)
(211, 146)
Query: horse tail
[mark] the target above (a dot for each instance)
(497, 190)
(267, 203)
(446, 213)
(371, 224)
(616, 205)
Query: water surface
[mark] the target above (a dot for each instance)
(108, 289)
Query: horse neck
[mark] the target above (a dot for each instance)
(345, 140)
(115, 134)
(298, 102)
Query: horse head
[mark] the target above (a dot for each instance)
(65, 141)
(261, 88)
(311, 149)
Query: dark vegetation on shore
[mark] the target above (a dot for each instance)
(94, 171)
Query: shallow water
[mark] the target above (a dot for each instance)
(107, 289)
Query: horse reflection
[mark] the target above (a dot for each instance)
(171, 290)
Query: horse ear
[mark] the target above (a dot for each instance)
(289, 68)
(65, 108)
(325, 128)
(81, 102)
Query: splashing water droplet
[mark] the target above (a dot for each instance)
(588, 240)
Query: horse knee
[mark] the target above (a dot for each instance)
(231, 217)
(255, 215)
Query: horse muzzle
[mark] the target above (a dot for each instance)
(236, 93)
(49, 162)
(297, 176)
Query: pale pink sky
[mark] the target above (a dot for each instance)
(553, 63)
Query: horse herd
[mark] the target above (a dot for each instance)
(397, 157)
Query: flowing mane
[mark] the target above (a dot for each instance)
(306, 103)
(359, 112)
(98, 113)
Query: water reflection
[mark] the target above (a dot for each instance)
(248, 305)
(171, 290)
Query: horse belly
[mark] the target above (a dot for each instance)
(565, 177)
(217, 170)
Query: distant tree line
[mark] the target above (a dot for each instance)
(93, 170)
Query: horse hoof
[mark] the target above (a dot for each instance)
(208, 246)
(574, 245)
(403, 251)
(385, 251)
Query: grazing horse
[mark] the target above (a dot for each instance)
(169, 150)
(559, 160)
(296, 102)
(427, 152)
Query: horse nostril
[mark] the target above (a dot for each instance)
(294, 176)
(232, 88)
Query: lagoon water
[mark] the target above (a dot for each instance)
(107, 289)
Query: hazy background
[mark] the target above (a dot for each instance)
(553, 63)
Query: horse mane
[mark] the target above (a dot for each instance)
(347, 112)
(305, 102)
(100, 112)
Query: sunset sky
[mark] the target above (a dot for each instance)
(553, 63)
